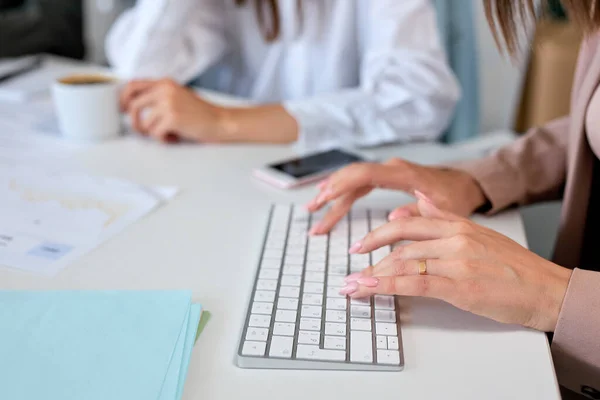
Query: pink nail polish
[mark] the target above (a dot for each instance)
(353, 277)
(394, 215)
(355, 247)
(315, 230)
(322, 184)
(421, 196)
(349, 288)
(368, 281)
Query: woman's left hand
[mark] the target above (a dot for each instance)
(164, 110)
(472, 267)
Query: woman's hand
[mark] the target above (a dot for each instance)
(164, 109)
(472, 267)
(452, 190)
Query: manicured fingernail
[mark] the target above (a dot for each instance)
(315, 230)
(421, 196)
(353, 277)
(402, 213)
(349, 288)
(368, 281)
(309, 205)
(355, 247)
(322, 184)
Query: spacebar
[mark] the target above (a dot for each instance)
(309, 352)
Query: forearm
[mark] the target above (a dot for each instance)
(261, 124)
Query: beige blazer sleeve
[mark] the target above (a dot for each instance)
(531, 169)
(576, 342)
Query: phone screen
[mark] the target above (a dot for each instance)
(313, 164)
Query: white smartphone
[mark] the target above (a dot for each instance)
(302, 170)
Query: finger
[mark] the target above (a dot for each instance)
(132, 90)
(161, 130)
(366, 174)
(410, 210)
(419, 286)
(428, 209)
(337, 211)
(453, 269)
(410, 228)
(151, 119)
(139, 104)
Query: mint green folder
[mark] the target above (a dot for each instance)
(95, 345)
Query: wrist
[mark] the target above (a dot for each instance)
(228, 128)
(551, 300)
(475, 196)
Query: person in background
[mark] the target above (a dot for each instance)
(41, 26)
(323, 73)
(479, 270)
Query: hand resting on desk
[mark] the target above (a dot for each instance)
(467, 265)
(165, 110)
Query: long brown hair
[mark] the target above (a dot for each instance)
(508, 19)
(271, 25)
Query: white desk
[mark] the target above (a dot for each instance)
(208, 240)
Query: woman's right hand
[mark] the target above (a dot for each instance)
(452, 190)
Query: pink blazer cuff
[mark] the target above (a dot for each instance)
(576, 342)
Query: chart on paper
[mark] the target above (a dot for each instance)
(48, 219)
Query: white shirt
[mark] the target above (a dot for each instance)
(352, 72)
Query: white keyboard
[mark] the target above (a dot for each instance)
(296, 318)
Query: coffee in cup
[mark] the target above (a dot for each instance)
(87, 107)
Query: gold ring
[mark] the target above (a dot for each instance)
(422, 267)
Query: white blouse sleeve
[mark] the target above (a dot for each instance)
(167, 38)
(407, 90)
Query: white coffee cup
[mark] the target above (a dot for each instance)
(87, 107)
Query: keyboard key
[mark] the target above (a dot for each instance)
(336, 280)
(341, 261)
(292, 270)
(273, 254)
(264, 295)
(385, 316)
(287, 304)
(337, 270)
(383, 328)
(360, 302)
(313, 287)
(335, 342)
(269, 274)
(260, 321)
(253, 348)
(333, 328)
(289, 291)
(294, 260)
(312, 299)
(334, 291)
(291, 280)
(314, 276)
(384, 302)
(310, 324)
(382, 342)
(308, 352)
(285, 316)
(316, 266)
(360, 324)
(336, 304)
(270, 264)
(390, 357)
(308, 337)
(335, 316)
(262, 308)
(257, 334)
(392, 342)
(284, 328)
(312, 311)
(296, 251)
(281, 347)
(361, 347)
(266, 284)
(360, 312)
